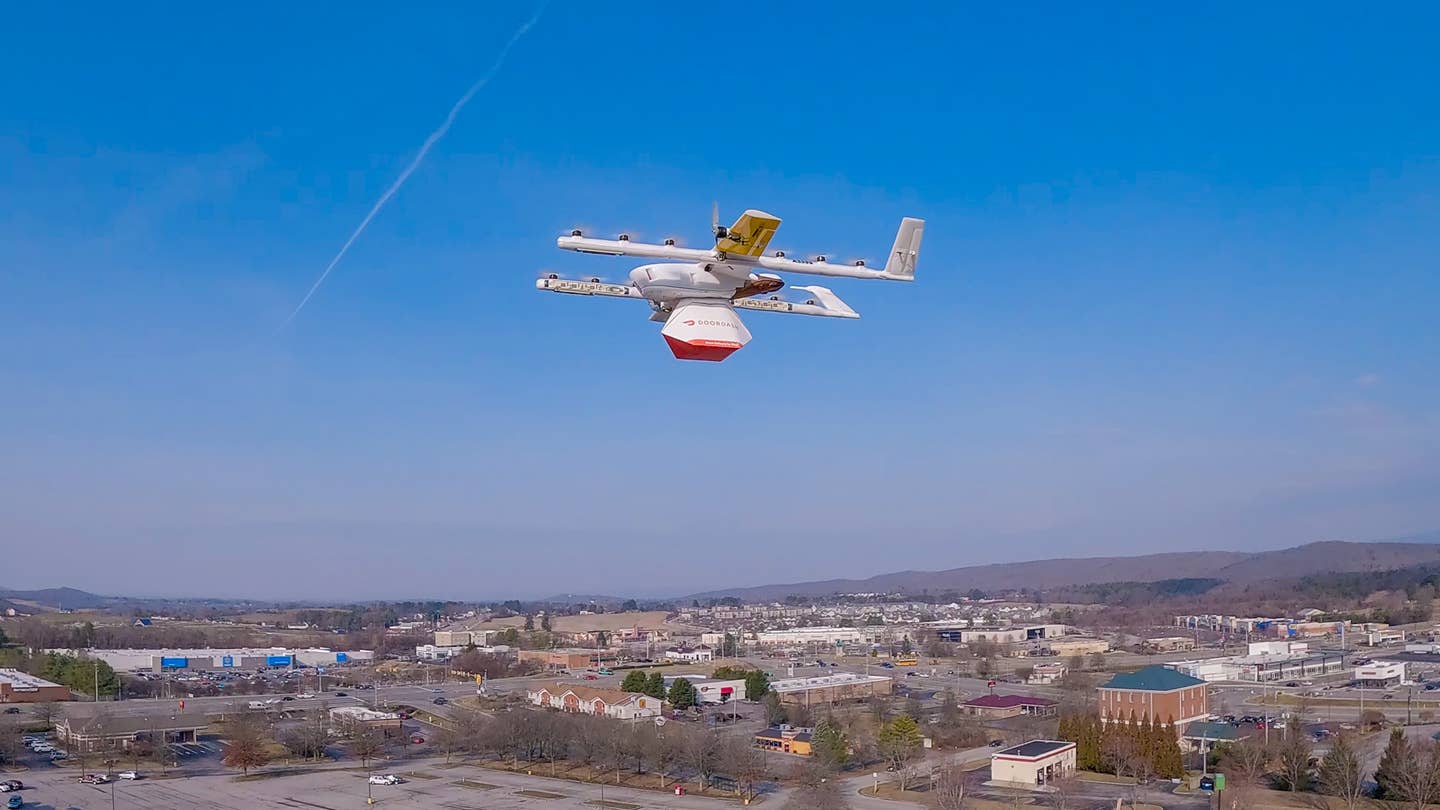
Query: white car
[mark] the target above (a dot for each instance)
(305, 696)
(384, 779)
(128, 776)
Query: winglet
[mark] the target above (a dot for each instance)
(906, 252)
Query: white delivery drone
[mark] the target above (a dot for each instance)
(697, 299)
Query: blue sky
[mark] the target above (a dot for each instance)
(1178, 290)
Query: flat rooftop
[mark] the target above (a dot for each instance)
(825, 681)
(23, 680)
(1036, 749)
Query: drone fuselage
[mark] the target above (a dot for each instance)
(667, 284)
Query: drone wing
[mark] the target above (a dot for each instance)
(750, 234)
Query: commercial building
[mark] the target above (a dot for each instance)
(1154, 693)
(995, 706)
(830, 688)
(691, 655)
(1008, 634)
(1047, 673)
(84, 730)
(1381, 673)
(1169, 643)
(1078, 646)
(710, 690)
(786, 740)
(356, 717)
(828, 636)
(582, 699)
(434, 652)
(1034, 763)
(1205, 735)
(22, 687)
(555, 660)
(1267, 661)
(221, 659)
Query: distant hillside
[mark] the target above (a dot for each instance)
(1230, 566)
(54, 599)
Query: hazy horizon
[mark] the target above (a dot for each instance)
(1178, 291)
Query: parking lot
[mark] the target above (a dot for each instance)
(427, 785)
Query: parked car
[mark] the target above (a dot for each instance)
(416, 739)
(14, 802)
(128, 776)
(996, 743)
(12, 709)
(440, 701)
(10, 785)
(385, 779)
(1207, 783)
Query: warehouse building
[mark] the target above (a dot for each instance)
(22, 687)
(1033, 764)
(1266, 662)
(835, 688)
(220, 659)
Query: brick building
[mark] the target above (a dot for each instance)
(21, 687)
(1009, 706)
(1156, 692)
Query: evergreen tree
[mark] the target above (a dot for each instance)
(683, 694)
(529, 622)
(757, 684)
(830, 744)
(635, 681)
(655, 685)
(1395, 761)
(1168, 761)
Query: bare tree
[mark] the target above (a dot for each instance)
(664, 754)
(950, 789)
(1342, 772)
(817, 791)
(1064, 792)
(248, 746)
(743, 761)
(1417, 782)
(1118, 753)
(1294, 755)
(367, 743)
(702, 754)
(1248, 760)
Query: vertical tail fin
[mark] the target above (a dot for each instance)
(906, 252)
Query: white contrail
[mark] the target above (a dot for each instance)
(419, 156)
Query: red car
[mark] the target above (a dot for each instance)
(592, 677)
(416, 739)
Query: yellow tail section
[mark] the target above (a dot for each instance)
(750, 234)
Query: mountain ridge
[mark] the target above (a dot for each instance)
(1325, 556)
